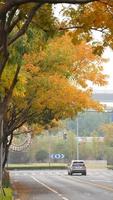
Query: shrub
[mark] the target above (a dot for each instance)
(41, 155)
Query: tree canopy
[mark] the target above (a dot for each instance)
(76, 65)
(21, 13)
(50, 79)
(85, 19)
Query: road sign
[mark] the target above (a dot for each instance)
(57, 156)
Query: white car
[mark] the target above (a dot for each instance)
(77, 166)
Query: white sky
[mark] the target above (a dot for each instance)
(108, 67)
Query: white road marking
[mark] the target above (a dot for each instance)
(49, 188)
(64, 198)
(109, 181)
(25, 174)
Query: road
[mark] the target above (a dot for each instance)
(57, 185)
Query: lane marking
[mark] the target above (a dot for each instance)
(106, 181)
(64, 198)
(49, 188)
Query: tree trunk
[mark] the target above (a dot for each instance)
(1, 150)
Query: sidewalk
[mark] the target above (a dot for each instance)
(20, 192)
(15, 193)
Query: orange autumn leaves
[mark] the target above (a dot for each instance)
(56, 94)
(61, 56)
(96, 16)
(49, 71)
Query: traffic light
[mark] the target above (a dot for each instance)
(65, 136)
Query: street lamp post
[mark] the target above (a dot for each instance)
(49, 154)
(49, 148)
(77, 138)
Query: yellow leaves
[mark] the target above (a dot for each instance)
(20, 88)
(36, 128)
(96, 16)
(108, 133)
(31, 68)
(64, 99)
(107, 128)
(83, 52)
(52, 66)
(6, 81)
(44, 80)
(59, 51)
(54, 123)
(61, 56)
(30, 63)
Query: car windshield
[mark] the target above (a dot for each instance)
(78, 164)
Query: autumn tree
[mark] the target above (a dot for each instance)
(108, 134)
(19, 15)
(108, 141)
(15, 17)
(43, 93)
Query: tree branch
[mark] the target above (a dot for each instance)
(26, 24)
(12, 3)
(3, 44)
(15, 22)
(3, 62)
(10, 16)
(6, 99)
(82, 27)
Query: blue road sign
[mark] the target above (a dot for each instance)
(57, 156)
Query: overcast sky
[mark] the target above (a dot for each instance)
(108, 69)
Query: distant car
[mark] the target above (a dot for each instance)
(77, 166)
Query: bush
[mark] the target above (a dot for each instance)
(41, 155)
(18, 157)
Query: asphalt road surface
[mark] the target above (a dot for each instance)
(57, 185)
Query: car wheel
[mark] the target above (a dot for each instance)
(84, 173)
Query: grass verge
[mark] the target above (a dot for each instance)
(8, 194)
(53, 166)
(110, 167)
(38, 166)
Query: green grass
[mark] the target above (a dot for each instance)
(51, 166)
(110, 167)
(8, 193)
(38, 166)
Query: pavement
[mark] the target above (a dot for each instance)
(57, 185)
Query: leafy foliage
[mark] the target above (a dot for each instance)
(108, 131)
(96, 16)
